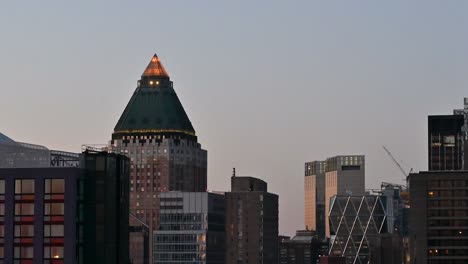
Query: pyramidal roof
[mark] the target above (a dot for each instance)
(155, 68)
(154, 107)
(5, 139)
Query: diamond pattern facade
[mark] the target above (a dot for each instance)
(354, 222)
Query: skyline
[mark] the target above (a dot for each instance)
(76, 79)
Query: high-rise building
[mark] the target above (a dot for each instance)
(345, 175)
(361, 225)
(448, 140)
(191, 229)
(156, 134)
(445, 142)
(65, 215)
(438, 217)
(314, 190)
(251, 222)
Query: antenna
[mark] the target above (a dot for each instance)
(233, 172)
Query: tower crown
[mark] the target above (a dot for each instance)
(155, 68)
(154, 109)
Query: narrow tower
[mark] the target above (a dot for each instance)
(156, 134)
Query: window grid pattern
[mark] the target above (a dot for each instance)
(24, 221)
(54, 212)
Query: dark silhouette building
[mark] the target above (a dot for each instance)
(438, 218)
(304, 248)
(445, 142)
(156, 134)
(251, 222)
(65, 215)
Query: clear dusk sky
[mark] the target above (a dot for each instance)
(268, 85)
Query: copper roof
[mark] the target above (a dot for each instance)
(155, 68)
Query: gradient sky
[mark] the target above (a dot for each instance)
(268, 85)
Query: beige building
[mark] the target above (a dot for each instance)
(314, 191)
(345, 175)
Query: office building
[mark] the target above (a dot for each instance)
(191, 228)
(156, 134)
(251, 222)
(445, 142)
(438, 217)
(314, 190)
(356, 223)
(344, 176)
(103, 208)
(304, 248)
(448, 140)
(65, 215)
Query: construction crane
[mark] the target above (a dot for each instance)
(398, 164)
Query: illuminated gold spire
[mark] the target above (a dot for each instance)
(155, 68)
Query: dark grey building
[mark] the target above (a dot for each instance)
(438, 219)
(191, 229)
(251, 222)
(304, 248)
(445, 146)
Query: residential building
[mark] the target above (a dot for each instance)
(156, 134)
(314, 190)
(438, 217)
(251, 222)
(344, 176)
(65, 215)
(191, 228)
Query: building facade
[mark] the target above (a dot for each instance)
(156, 134)
(50, 214)
(356, 222)
(191, 229)
(438, 217)
(345, 175)
(445, 146)
(251, 222)
(304, 248)
(314, 191)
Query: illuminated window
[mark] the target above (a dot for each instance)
(54, 216)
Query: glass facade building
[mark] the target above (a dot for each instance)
(191, 229)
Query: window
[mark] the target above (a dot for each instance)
(54, 213)
(24, 220)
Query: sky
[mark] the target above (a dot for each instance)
(268, 85)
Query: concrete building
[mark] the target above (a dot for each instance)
(65, 215)
(438, 217)
(191, 228)
(344, 176)
(156, 134)
(251, 222)
(304, 248)
(314, 190)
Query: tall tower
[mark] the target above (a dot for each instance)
(156, 134)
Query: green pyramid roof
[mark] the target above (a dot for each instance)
(154, 107)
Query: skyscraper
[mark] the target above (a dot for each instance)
(445, 142)
(314, 190)
(251, 222)
(345, 175)
(156, 134)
